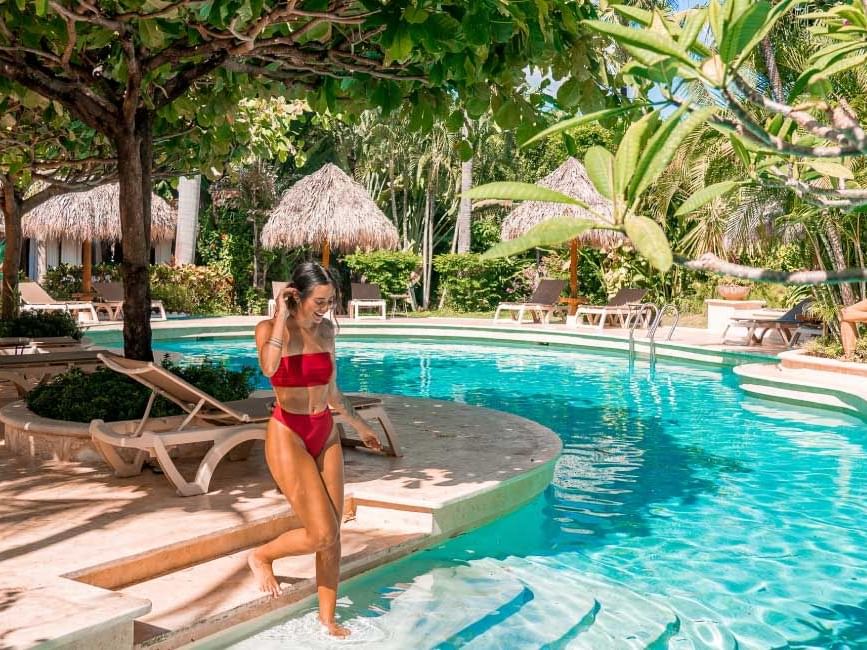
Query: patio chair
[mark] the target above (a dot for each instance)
(26, 344)
(35, 298)
(785, 323)
(225, 424)
(26, 371)
(541, 305)
(366, 296)
(110, 301)
(621, 308)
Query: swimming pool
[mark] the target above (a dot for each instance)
(682, 514)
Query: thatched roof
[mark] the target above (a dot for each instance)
(571, 179)
(93, 215)
(328, 206)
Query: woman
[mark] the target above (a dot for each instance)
(302, 446)
(849, 318)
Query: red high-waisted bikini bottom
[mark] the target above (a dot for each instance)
(312, 428)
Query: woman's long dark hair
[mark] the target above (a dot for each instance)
(309, 275)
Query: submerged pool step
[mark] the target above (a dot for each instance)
(205, 598)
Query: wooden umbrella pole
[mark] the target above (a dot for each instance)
(573, 276)
(326, 254)
(87, 267)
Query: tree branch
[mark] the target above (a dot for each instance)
(710, 263)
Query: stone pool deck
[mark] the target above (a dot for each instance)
(84, 554)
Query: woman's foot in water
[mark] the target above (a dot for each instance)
(335, 629)
(264, 575)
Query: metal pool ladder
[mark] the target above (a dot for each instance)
(655, 320)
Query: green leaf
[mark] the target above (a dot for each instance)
(836, 68)
(572, 122)
(777, 12)
(401, 44)
(465, 150)
(415, 15)
(744, 29)
(600, 168)
(41, 7)
(640, 38)
(548, 233)
(832, 169)
(508, 116)
(569, 93)
(662, 147)
(513, 191)
(692, 28)
(628, 152)
(740, 150)
(714, 16)
(641, 16)
(649, 240)
(704, 196)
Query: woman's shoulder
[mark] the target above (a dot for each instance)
(327, 329)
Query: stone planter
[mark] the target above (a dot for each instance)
(732, 291)
(33, 436)
(800, 360)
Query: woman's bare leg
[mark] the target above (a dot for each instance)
(330, 463)
(849, 318)
(297, 475)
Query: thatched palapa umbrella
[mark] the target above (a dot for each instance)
(92, 215)
(571, 179)
(330, 209)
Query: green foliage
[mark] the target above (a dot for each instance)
(485, 233)
(389, 269)
(41, 323)
(471, 283)
(194, 289)
(104, 394)
(829, 347)
(63, 280)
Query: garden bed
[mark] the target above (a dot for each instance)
(801, 359)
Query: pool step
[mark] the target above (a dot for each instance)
(205, 598)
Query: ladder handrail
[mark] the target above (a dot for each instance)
(634, 324)
(670, 306)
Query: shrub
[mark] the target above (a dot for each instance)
(41, 323)
(81, 397)
(389, 269)
(473, 284)
(63, 280)
(193, 289)
(829, 347)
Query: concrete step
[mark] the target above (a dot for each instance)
(205, 598)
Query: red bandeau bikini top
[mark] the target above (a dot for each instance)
(303, 370)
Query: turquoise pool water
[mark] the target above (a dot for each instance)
(682, 514)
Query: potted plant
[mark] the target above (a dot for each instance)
(732, 288)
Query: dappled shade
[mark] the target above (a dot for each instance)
(93, 215)
(570, 179)
(328, 207)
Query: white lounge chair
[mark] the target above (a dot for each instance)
(110, 301)
(621, 308)
(25, 371)
(27, 344)
(226, 424)
(35, 298)
(366, 296)
(541, 305)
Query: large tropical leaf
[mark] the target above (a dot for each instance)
(514, 191)
(572, 122)
(832, 169)
(628, 153)
(600, 168)
(705, 195)
(739, 35)
(649, 240)
(661, 149)
(550, 232)
(641, 38)
(777, 12)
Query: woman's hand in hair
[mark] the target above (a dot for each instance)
(287, 303)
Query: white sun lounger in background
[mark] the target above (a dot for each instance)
(35, 298)
(226, 424)
(111, 301)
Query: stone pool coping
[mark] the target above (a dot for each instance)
(87, 534)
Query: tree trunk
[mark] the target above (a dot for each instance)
(392, 197)
(404, 224)
(133, 146)
(773, 72)
(12, 255)
(188, 219)
(465, 210)
(838, 260)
